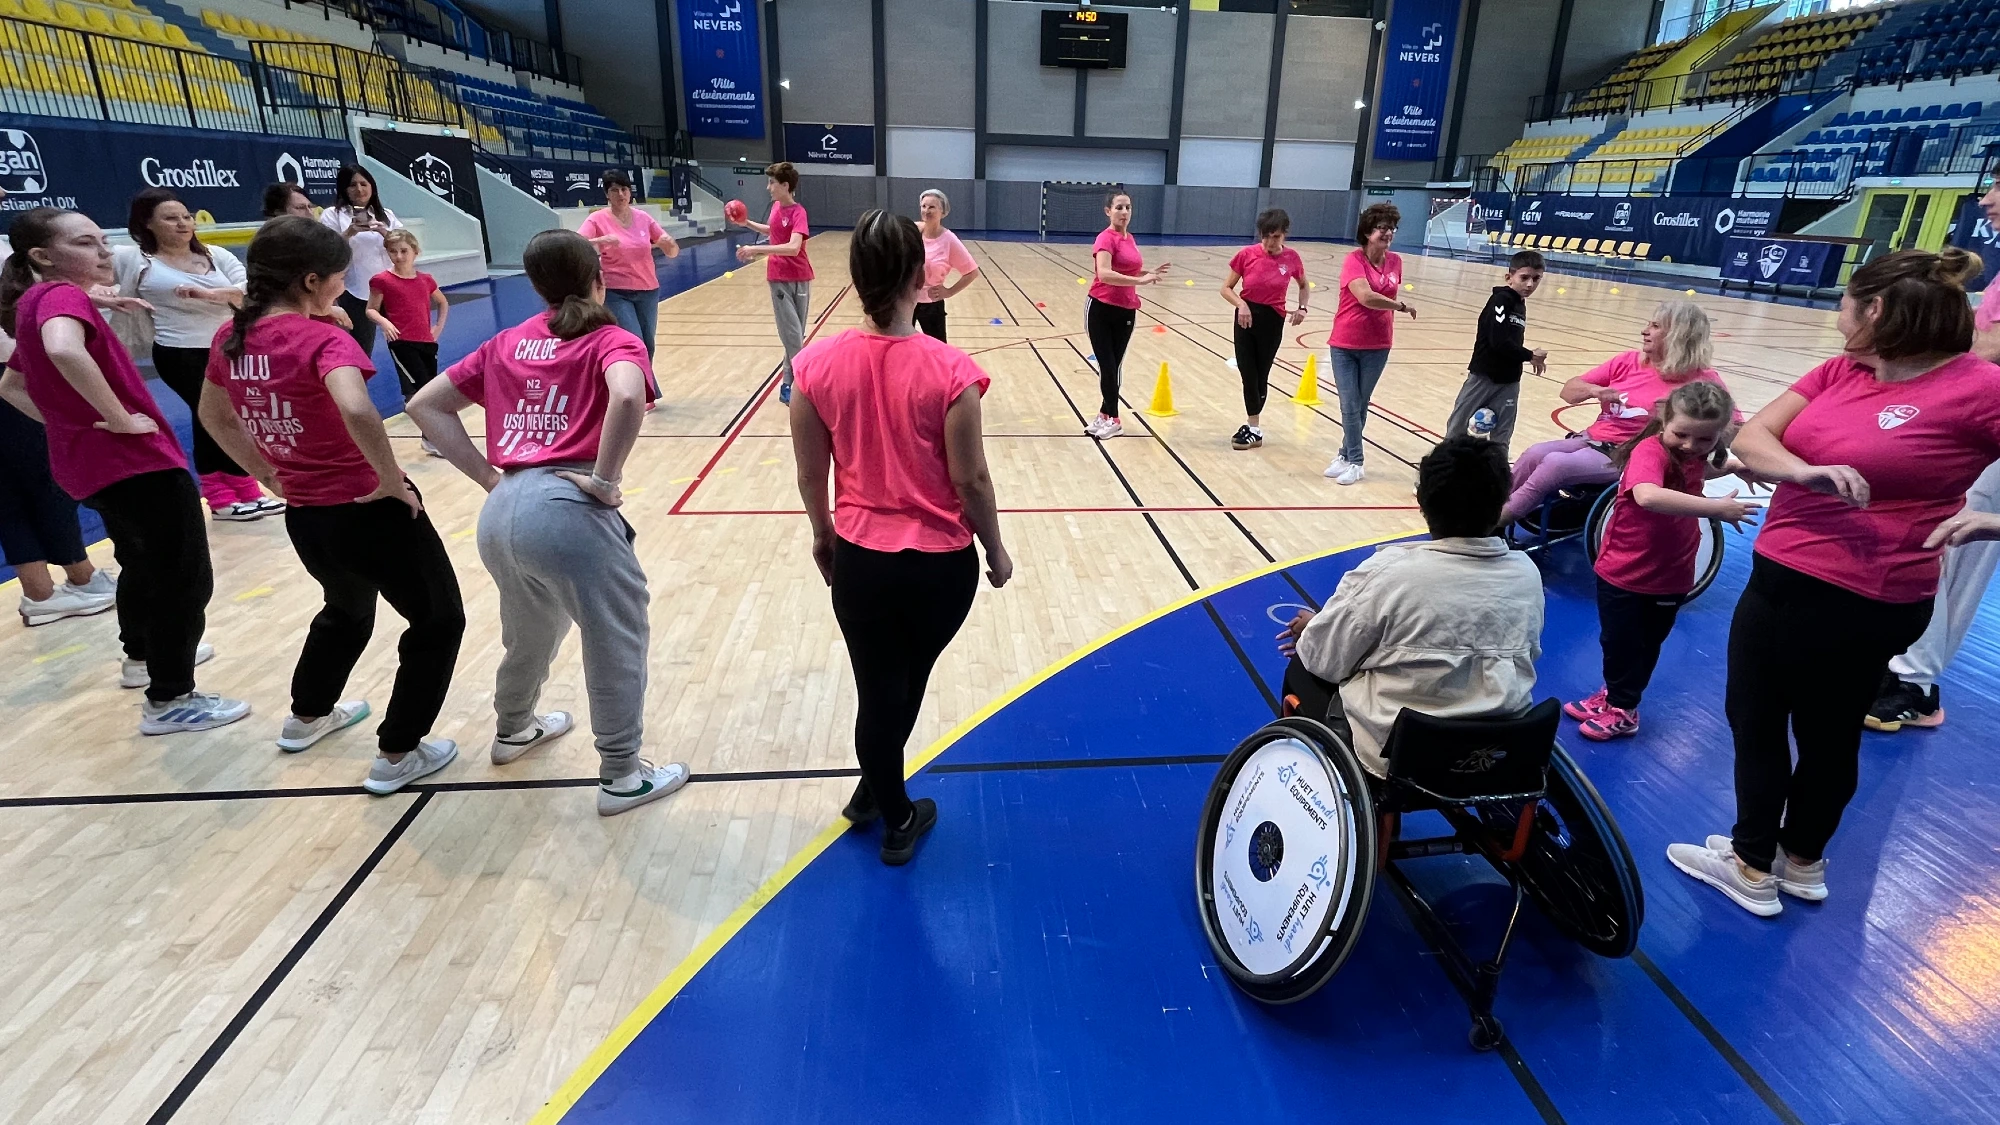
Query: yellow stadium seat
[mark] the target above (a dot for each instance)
(69, 15)
(231, 24)
(1643, 250)
(11, 9)
(153, 31)
(98, 20)
(209, 18)
(178, 38)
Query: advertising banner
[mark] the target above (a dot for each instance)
(97, 167)
(442, 166)
(1973, 232)
(1782, 261)
(722, 68)
(558, 183)
(1688, 229)
(1416, 71)
(845, 146)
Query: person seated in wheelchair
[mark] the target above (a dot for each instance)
(1450, 627)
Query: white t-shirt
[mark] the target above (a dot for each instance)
(178, 322)
(370, 257)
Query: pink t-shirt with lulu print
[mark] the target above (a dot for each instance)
(278, 388)
(544, 396)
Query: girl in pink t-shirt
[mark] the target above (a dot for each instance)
(894, 415)
(1872, 453)
(287, 397)
(564, 392)
(625, 238)
(1364, 325)
(1267, 272)
(1646, 567)
(1113, 307)
(109, 447)
(1674, 348)
(944, 254)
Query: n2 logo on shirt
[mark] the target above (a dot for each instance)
(1892, 416)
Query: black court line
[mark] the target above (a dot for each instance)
(1751, 1078)
(248, 1011)
(1077, 764)
(778, 369)
(1042, 312)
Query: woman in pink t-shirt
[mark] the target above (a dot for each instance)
(1113, 307)
(1364, 326)
(625, 238)
(894, 414)
(286, 396)
(109, 446)
(1674, 348)
(1872, 452)
(1267, 272)
(943, 255)
(564, 392)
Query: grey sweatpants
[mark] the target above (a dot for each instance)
(792, 302)
(1502, 399)
(558, 556)
(1967, 569)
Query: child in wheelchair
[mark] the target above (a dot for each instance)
(1451, 627)
(1646, 568)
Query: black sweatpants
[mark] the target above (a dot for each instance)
(184, 370)
(363, 331)
(354, 552)
(416, 364)
(1632, 627)
(1317, 699)
(160, 538)
(37, 519)
(930, 318)
(1256, 350)
(1808, 655)
(1110, 329)
(897, 611)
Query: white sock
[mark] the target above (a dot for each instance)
(629, 781)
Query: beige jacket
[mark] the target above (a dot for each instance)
(1449, 627)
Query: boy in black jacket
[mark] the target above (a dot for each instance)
(1493, 377)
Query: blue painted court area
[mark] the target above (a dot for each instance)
(1042, 961)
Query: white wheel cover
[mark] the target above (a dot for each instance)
(1282, 805)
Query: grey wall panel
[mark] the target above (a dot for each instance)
(1319, 214)
(621, 61)
(929, 47)
(1326, 59)
(1220, 211)
(1139, 100)
(833, 203)
(1510, 64)
(1601, 34)
(828, 51)
(1022, 96)
(1013, 205)
(903, 195)
(1228, 74)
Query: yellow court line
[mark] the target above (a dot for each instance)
(600, 1059)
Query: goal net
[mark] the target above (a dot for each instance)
(1074, 207)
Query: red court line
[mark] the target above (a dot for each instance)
(1091, 511)
(743, 423)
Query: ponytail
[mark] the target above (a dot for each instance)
(35, 229)
(564, 268)
(285, 252)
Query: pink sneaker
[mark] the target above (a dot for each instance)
(1610, 723)
(1589, 708)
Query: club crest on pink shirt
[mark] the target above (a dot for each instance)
(1893, 416)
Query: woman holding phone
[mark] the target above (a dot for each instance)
(361, 219)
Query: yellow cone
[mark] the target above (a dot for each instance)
(1309, 382)
(1163, 396)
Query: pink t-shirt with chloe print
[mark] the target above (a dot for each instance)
(545, 397)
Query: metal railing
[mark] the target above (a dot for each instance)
(312, 87)
(452, 29)
(60, 72)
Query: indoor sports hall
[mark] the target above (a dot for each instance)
(988, 561)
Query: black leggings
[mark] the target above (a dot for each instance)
(1256, 349)
(1631, 628)
(161, 542)
(37, 519)
(930, 318)
(354, 552)
(184, 370)
(1110, 333)
(897, 612)
(363, 331)
(1808, 655)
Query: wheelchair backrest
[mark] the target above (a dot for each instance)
(1474, 759)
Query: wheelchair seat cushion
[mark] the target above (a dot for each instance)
(1474, 759)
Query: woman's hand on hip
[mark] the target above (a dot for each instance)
(1966, 527)
(605, 492)
(133, 424)
(398, 489)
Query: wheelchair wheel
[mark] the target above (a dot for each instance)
(1707, 557)
(1577, 867)
(1285, 861)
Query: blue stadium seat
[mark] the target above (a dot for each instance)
(1893, 115)
(1972, 109)
(1954, 111)
(1931, 113)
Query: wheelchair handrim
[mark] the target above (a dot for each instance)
(1706, 566)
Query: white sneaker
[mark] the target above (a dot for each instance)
(1338, 467)
(1802, 881)
(66, 601)
(1719, 868)
(193, 711)
(430, 756)
(299, 734)
(1108, 427)
(430, 450)
(238, 513)
(101, 582)
(649, 783)
(1352, 473)
(133, 674)
(270, 505)
(553, 725)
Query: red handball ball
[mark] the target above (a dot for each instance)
(736, 211)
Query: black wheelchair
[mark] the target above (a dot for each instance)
(1584, 511)
(1294, 831)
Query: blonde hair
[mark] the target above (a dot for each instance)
(1687, 347)
(400, 236)
(944, 201)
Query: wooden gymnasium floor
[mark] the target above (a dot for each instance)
(202, 928)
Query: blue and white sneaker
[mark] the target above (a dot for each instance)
(193, 711)
(430, 756)
(299, 734)
(649, 783)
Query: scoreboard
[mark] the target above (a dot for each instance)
(1083, 37)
